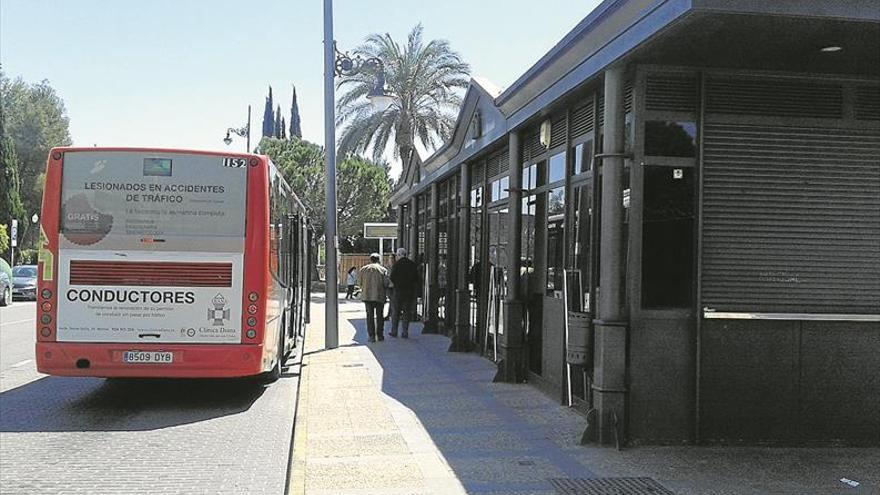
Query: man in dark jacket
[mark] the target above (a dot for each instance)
(405, 277)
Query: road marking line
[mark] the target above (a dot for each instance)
(19, 365)
(18, 321)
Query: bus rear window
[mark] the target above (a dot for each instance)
(123, 200)
(157, 167)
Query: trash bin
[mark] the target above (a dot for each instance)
(580, 339)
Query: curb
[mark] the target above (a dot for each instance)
(295, 478)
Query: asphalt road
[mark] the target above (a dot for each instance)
(90, 435)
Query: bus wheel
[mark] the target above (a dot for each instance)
(273, 375)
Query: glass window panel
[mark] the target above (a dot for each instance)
(477, 197)
(556, 168)
(668, 237)
(503, 186)
(555, 244)
(528, 238)
(667, 138)
(578, 159)
(530, 177)
(556, 202)
(583, 157)
(582, 248)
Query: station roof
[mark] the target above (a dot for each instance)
(784, 36)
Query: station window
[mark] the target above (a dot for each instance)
(556, 168)
(500, 189)
(555, 238)
(583, 157)
(477, 197)
(530, 177)
(668, 237)
(669, 138)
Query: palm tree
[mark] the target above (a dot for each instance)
(425, 82)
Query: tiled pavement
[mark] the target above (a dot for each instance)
(407, 417)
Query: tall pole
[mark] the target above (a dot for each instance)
(331, 313)
(248, 150)
(609, 361)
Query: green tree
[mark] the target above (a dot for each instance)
(362, 187)
(425, 81)
(363, 194)
(295, 128)
(35, 119)
(4, 238)
(10, 184)
(268, 117)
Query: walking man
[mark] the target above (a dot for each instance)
(405, 276)
(373, 279)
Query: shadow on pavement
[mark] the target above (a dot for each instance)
(57, 404)
(491, 435)
(512, 439)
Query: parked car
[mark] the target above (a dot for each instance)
(24, 282)
(5, 283)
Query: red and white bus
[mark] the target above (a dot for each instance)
(169, 263)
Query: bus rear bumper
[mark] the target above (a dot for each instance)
(189, 361)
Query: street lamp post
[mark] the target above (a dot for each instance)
(339, 64)
(244, 132)
(331, 315)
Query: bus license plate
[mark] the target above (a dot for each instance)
(147, 357)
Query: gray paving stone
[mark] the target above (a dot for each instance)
(98, 437)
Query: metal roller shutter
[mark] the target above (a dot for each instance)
(791, 219)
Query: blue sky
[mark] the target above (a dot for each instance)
(177, 73)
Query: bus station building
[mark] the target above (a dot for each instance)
(671, 222)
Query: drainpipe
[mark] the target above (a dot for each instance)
(511, 368)
(609, 369)
(431, 258)
(461, 339)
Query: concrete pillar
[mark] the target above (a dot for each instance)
(413, 229)
(511, 344)
(609, 369)
(401, 225)
(432, 246)
(461, 339)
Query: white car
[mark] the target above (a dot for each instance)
(24, 282)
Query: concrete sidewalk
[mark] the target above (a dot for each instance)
(407, 417)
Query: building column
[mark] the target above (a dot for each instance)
(412, 250)
(511, 344)
(401, 226)
(432, 258)
(609, 369)
(461, 339)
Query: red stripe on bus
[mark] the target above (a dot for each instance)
(150, 273)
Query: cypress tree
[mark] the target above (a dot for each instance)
(11, 206)
(295, 129)
(268, 117)
(278, 123)
(283, 126)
